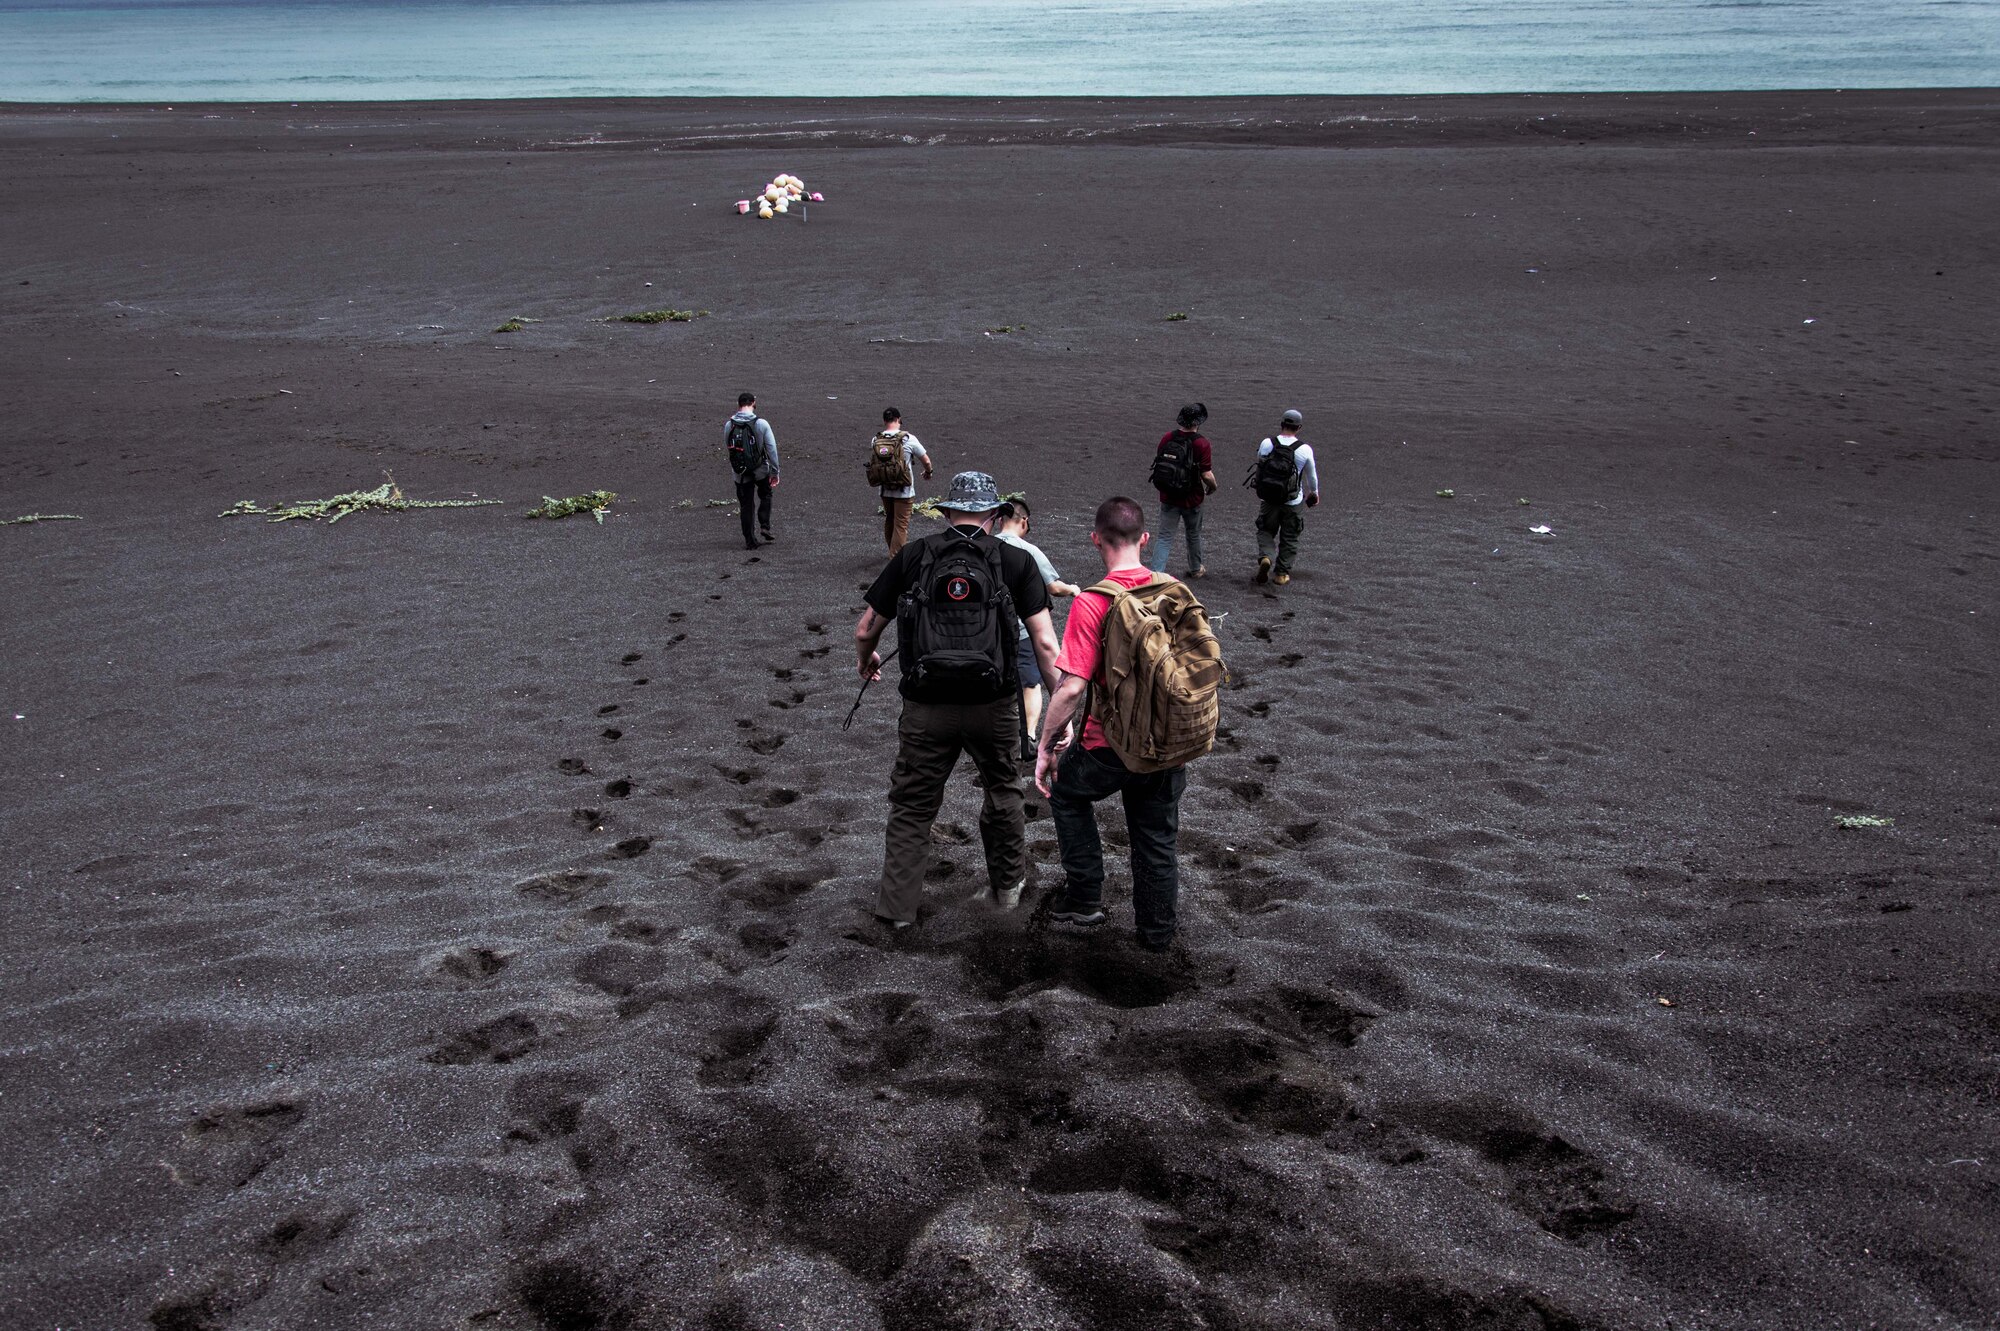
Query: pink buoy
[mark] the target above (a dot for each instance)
(817, 198)
(743, 205)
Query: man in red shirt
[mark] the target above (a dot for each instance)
(1090, 771)
(1184, 475)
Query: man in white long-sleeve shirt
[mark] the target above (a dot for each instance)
(1282, 517)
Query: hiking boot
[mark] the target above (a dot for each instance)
(750, 545)
(1281, 578)
(1201, 572)
(1263, 569)
(769, 536)
(1156, 944)
(1064, 913)
(893, 926)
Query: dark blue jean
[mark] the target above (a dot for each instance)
(1152, 820)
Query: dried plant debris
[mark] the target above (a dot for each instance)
(387, 497)
(40, 517)
(658, 317)
(596, 503)
(1855, 821)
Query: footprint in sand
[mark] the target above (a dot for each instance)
(619, 789)
(501, 1040)
(777, 888)
(562, 887)
(472, 965)
(611, 734)
(631, 848)
(232, 1144)
(607, 709)
(620, 968)
(572, 767)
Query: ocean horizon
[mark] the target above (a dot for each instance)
(123, 51)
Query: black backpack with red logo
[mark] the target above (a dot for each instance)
(956, 623)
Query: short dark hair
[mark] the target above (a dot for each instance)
(1013, 508)
(891, 414)
(1120, 520)
(745, 399)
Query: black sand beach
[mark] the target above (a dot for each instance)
(443, 920)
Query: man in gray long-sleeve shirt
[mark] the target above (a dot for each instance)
(752, 447)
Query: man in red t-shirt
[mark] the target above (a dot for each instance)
(1187, 458)
(1090, 771)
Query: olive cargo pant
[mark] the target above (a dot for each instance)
(1278, 528)
(932, 737)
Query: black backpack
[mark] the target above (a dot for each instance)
(746, 450)
(956, 624)
(1174, 472)
(1276, 475)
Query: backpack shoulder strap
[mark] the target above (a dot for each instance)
(1114, 590)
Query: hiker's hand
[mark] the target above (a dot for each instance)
(1045, 769)
(927, 473)
(1312, 501)
(871, 669)
(774, 482)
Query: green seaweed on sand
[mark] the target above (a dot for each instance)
(387, 497)
(721, 503)
(596, 503)
(1855, 821)
(1004, 329)
(658, 317)
(515, 324)
(1447, 494)
(40, 517)
(1178, 316)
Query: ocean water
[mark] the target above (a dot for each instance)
(299, 50)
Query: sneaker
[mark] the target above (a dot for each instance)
(1201, 572)
(1263, 569)
(1281, 578)
(1156, 944)
(1006, 899)
(1064, 913)
(893, 925)
(750, 545)
(769, 535)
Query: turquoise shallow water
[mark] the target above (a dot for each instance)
(220, 50)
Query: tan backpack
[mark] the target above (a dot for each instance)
(888, 466)
(1158, 675)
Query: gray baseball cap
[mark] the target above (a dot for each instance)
(1293, 418)
(971, 492)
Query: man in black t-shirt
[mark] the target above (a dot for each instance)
(960, 595)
